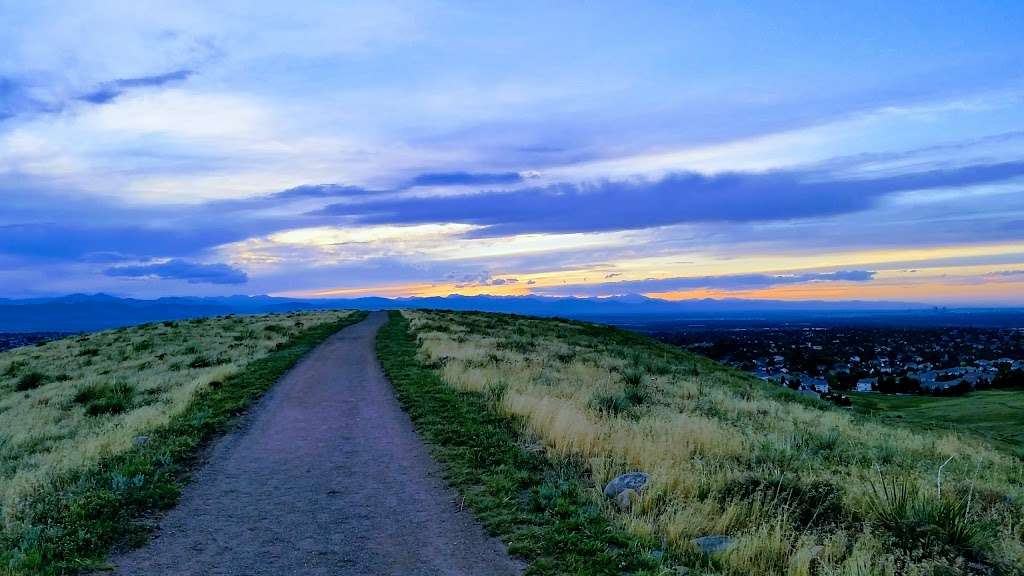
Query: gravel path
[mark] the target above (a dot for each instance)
(326, 476)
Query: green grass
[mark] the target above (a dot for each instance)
(72, 522)
(996, 415)
(541, 507)
(801, 487)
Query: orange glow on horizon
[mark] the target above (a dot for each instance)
(928, 291)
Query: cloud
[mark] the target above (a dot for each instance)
(108, 91)
(191, 272)
(481, 278)
(18, 96)
(27, 96)
(728, 282)
(684, 197)
(465, 179)
(321, 191)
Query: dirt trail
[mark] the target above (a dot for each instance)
(326, 476)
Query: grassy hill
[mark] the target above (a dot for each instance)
(798, 487)
(100, 428)
(996, 415)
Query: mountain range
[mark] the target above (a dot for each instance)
(87, 312)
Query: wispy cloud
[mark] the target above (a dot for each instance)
(727, 282)
(465, 179)
(191, 272)
(108, 91)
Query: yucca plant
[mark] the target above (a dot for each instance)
(921, 520)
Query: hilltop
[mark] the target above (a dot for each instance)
(585, 448)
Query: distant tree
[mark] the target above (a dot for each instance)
(888, 384)
(1009, 379)
(842, 380)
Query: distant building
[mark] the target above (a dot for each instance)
(866, 384)
(818, 385)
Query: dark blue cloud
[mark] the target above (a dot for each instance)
(321, 191)
(729, 282)
(465, 179)
(108, 91)
(16, 98)
(675, 199)
(191, 272)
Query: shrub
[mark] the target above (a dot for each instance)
(14, 367)
(105, 398)
(920, 520)
(632, 377)
(807, 502)
(610, 403)
(30, 381)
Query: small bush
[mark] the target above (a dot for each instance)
(30, 381)
(923, 521)
(636, 394)
(612, 404)
(807, 502)
(632, 395)
(105, 398)
(633, 377)
(15, 367)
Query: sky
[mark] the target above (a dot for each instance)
(847, 151)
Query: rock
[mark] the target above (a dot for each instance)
(712, 544)
(815, 551)
(635, 481)
(657, 555)
(626, 498)
(140, 440)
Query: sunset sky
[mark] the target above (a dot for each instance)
(841, 150)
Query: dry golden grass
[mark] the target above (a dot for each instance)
(790, 479)
(99, 391)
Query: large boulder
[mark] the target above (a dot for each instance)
(626, 498)
(712, 544)
(635, 481)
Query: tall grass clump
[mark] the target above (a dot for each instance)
(30, 381)
(105, 398)
(794, 485)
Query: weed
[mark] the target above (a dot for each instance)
(30, 381)
(100, 399)
(916, 519)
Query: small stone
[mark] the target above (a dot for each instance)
(712, 544)
(626, 498)
(657, 555)
(815, 551)
(635, 481)
(140, 440)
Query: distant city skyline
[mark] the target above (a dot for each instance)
(848, 151)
